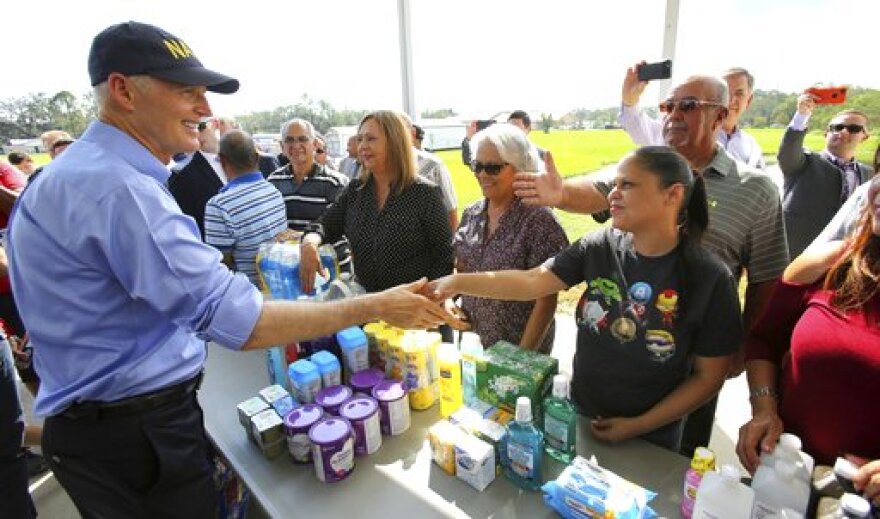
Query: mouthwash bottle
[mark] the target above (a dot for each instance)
(522, 448)
(560, 422)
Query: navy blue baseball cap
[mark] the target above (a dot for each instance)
(134, 48)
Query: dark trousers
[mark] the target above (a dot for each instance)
(148, 464)
(698, 428)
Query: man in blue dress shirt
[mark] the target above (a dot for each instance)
(119, 293)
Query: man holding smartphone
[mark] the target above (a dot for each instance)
(645, 131)
(817, 184)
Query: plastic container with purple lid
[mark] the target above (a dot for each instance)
(363, 413)
(394, 416)
(332, 449)
(296, 425)
(330, 398)
(366, 379)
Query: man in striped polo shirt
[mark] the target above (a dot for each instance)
(247, 211)
(746, 227)
(306, 186)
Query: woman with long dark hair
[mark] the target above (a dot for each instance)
(813, 360)
(660, 316)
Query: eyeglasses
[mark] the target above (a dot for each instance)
(851, 128)
(302, 139)
(491, 169)
(685, 105)
(319, 151)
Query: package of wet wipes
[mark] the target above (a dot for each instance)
(585, 490)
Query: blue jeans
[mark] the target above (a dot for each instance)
(13, 467)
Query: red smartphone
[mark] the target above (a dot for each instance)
(828, 95)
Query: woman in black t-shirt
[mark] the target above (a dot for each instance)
(659, 318)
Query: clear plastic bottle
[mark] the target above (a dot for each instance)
(471, 351)
(560, 422)
(451, 396)
(788, 448)
(703, 461)
(779, 487)
(522, 448)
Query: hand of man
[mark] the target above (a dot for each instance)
(762, 430)
(806, 103)
(540, 188)
(404, 306)
(440, 289)
(632, 87)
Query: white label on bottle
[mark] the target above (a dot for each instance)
(520, 457)
(319, 463)
(556, 432)
(372, 434)
(398, 416)
(343, 461)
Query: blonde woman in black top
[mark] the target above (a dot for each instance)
(395, 221)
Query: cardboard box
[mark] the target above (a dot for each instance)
(475, 462)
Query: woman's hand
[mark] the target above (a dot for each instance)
(762, 431)
(615, 430)
(441, 289)
(462, 324)
(309, 265)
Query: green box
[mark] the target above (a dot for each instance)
(507, 372)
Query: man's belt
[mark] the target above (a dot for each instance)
(134, 404)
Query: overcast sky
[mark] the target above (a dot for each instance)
(478, 57)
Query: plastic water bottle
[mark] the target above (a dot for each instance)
(289, 271)
(722, 495)
(789, 449)
(272, 271)
(702, 462)
(522, 448)
(471, 351)
(277, 365)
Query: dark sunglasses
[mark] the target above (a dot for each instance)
(319, 151)
(491, 169)
(685, 105)
(302, 139)
(851, 128)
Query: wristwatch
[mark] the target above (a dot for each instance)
(764, 391)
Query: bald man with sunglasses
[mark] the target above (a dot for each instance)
(816, 185)
(746, 228)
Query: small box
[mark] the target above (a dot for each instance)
(267, 427)
(443, 436)
(475, 462)
(273, 393)
(507, 372)
(247, 409)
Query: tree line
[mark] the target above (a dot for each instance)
(29, 116)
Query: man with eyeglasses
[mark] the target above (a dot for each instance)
(644, 130)
(746, 228)
(199, 175)
(306, 185)
(816, 185)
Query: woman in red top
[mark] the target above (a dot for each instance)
(821, 335)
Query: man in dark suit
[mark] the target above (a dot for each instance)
(194, 182)
(817, 184)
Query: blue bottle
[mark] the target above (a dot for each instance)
(277, 366)
(271, 269)
(289, 271)
(522, 448)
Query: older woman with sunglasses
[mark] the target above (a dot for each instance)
(813, 360)
(660, 318)
(394, 220)
(500, 232)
